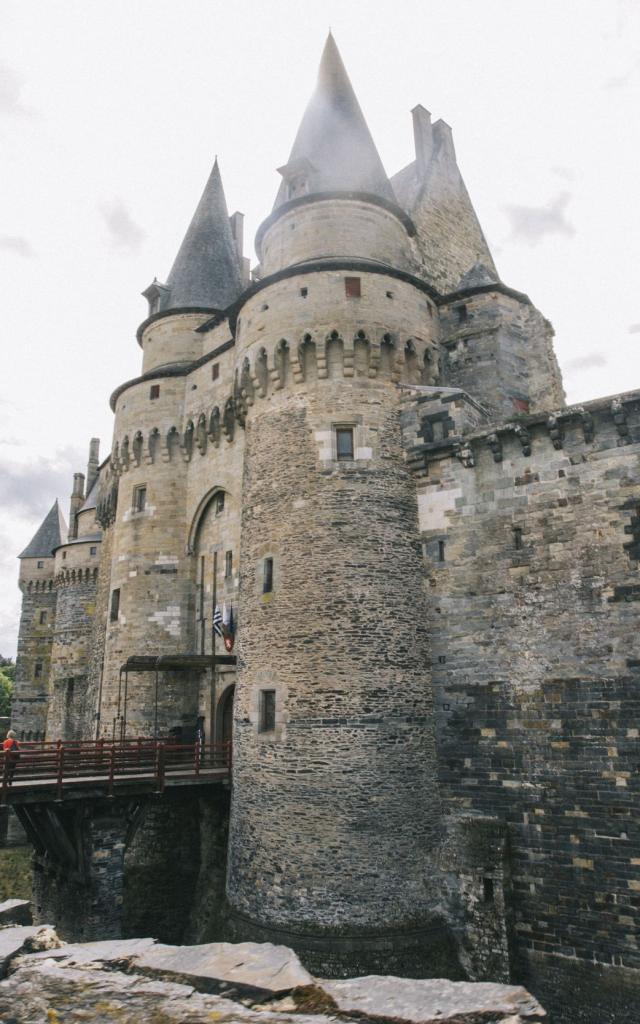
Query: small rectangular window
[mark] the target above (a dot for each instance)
(115, 605)
(64, 555)
(43, 618)
(140, 498)
(517, 538)
(267, 711)
(488, 890)
(267, 576)
(40, 565)
(37, 671)
(441, 551)
(215, 371)
(463, 314)
(389, 295)
(93, 551)
(352, 287)
(344, 443)
(228, 564)
(219, 500)
(154, 391)
(304, 292)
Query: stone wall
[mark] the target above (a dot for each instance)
(35, 638)
(532, 567)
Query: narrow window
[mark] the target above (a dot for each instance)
(463, 314)
(267, 576)
(517, 538)
(352, 287)
(43, 618)
(215, 371)
(140, 498)
(441, 551)
(344, 443)
(267, 711)
(40, 565)
(37, 671)
(219, 502)
(64, 555)
(93, 551)
(487, 890)
(304, 292)
(115, 605)
(154, 391)
(228, 564)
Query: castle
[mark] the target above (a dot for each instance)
(362, 449)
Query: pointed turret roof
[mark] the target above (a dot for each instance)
(206, 271)
(48, 536)
(333, 142)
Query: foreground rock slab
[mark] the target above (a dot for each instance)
(108, 952)
(23, 937)
(243, 968)
(47, 991)
(409, 1001)
(15, 912)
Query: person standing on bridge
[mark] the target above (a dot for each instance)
(11, 749)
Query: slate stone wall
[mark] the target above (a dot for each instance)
(76, 607)
(30, 700)
(533, 616)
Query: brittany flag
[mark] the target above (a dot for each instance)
(217, 621)
(228, 627)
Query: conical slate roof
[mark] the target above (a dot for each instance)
(206, 271)
(333, 142)
(48, 536)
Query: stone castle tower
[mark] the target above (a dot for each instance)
(363, 449)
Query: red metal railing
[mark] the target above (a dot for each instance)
(61, 764)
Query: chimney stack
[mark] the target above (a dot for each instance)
(92, 465)
(423, 138)
(77, 499)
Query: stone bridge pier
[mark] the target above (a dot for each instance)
(126, 866)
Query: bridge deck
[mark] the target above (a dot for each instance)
(60, 771)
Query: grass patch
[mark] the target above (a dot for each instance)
(15, 873)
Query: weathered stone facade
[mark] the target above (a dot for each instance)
(432, 565)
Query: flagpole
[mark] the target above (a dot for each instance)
(215, 604)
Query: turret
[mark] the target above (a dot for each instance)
(37, 623)
(207, 275)
(333, 723)
(335, 199)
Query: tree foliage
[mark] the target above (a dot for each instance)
(7, 677)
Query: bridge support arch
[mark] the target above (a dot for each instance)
(125, 866)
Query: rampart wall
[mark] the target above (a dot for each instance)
(532, 539)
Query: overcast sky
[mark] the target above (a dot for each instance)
(111, 112)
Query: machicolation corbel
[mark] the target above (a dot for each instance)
(464, 452)
(524, 438)
(555, 430)
(495, 444)
(620, 419)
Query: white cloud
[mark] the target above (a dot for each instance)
(18, 245)
(531, 224)
(124, 233)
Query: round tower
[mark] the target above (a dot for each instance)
(154, 589)
(335, 812)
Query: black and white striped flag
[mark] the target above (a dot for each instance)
(217, 621)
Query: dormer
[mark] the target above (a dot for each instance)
(298, 177)
(157, 295)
